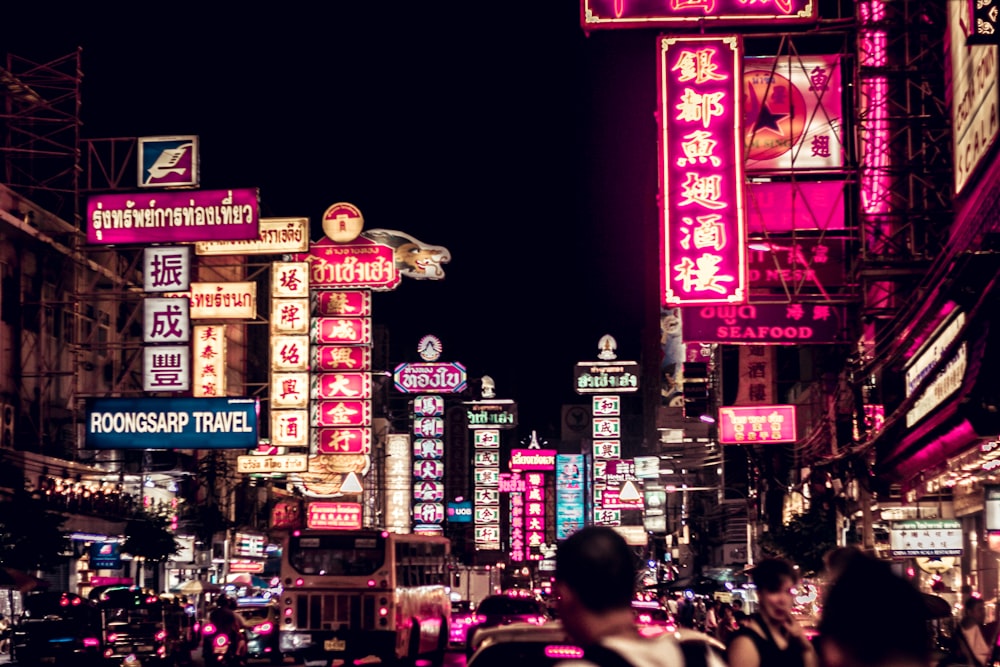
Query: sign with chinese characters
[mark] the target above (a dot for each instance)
(398, 480)
(792, 113)
(761, 424)
(290, 316)
(171, 423)
(703, 225)
(341, 385)
(290, 428)
(289, 353)
(275, 236)
(426, 378)
(342, 440)
(491, 414)
(341, 357)
(341, 330)
(172, 216)
(166, 320)
(602, 14)
(756, 381)
(606, 406)
(347, 412)
(925, 537)
(607, 449)
(289, 390)
(948, 377)
(209, 352)
(595, 377)
(766, 324)
(339, 516)
(224, 300)
(799, 264)
(485, 495)
(166, 368)
(168, 161)
(166, 269)
(361, 263)
(289, 280)
(353, 303)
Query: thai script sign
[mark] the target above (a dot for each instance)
(600, 377)
(793, 117)
(703, 225)
(168, 161)
(356, 303)
(757, 424)
(491, 414)
(173, 216)
(925, 537)
(600, 14)
(362, 263)
(338, 516)
(269, 464)
(171, 423)
(766, 323)
(532, 459)
(275, 236)
(226, 300)
(438, 378)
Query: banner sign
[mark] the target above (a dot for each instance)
(341, 440)
(275, 236)
(342, 413)
(341, 385)
(340, 516)
(601, 377)
(427, 378)
(341, 330)
(362, 263)
(604, 14)
(532, 459)
(703, 221)
(798, 264)
(224, 300)
(925, 537)
(757, 424)
(766, 324)
(271, 464)
(171, 423)
(460, 512)
(172, 216)
(355, 303)
(341, 357)
(105, 556)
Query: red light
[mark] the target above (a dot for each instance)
(108, 653)
(63, 602)
(76, 601)
(560, 652)
(299, 582)
(208, 629)
(385, 534)
(382, 611)
(371, 583)
(264, 628)
(161, 635)
(90, 641)
(112, 637)
(296, 533)
(288, 612)
(220, 640)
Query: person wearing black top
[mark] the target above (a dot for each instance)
(772, 638)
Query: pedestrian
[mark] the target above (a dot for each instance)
(873, 618)
(711, 622)
(727, 625)
(595, 583)
(970, 640)
(772, 637)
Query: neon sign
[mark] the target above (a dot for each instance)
(757, 424)
(701, 169)
(603, 14)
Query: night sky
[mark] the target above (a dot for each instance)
(504, 134)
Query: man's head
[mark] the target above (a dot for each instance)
(598, 566)
(975, 609)
(858, 634)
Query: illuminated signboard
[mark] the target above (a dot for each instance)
(342, 413)
(398, 479)
(341, 440)
(798, 264)
(766, 324)
(105, 556)
(172, 216)
(166, 320)
(426, 378)
(925, 537)
(460, 512)
(341, 385)
(289, 390)
(355, 303)
(491, 414)
(604, 14)
(361, 263)
(760, 424)
(275, 236)
(168, 161)
(290, 316)
(341, 516)
(209, 353)
(248, 545)
(781, 206)
(600, 377)
(166, 269)
(341, 330)
(532, 459)
(224, 300)
(703, 226)
(341, 358)
(269, 464)
(171, 423)
(166, 368)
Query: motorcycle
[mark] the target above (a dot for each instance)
(222, 649)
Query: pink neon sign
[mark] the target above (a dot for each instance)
(757, 424)
(598, 14)
(703, 240)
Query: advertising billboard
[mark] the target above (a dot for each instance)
(171, 423)
(760, 424)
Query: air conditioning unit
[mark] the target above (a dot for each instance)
(7, 415)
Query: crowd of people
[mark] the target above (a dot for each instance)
(871, 617)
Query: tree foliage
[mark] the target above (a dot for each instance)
(31, 536)
(150, 538)
(804, 539)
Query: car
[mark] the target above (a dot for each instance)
(512, 606)
(462, 617)
(260, 618)
(58, 628)
(548, 644)
(651, 618)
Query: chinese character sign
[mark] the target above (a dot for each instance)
(605, 14)
(701, 166)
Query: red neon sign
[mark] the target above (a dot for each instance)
(595, 14)
(341, 385)
(703, 222)
(760, 424)
(346, 516)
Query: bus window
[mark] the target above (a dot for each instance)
(336, 555)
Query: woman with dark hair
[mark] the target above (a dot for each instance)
(772, 637)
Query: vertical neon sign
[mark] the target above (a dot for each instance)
(703, 224)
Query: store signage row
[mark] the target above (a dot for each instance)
(766, 323)
(171, 423)
(173, 217)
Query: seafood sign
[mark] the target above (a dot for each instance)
(168, 217)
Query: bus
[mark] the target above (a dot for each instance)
(356, 594)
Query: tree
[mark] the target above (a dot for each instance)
(804, 539)
(149, 538)
(31, 535)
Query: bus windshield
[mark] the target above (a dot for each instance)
(348, 554)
